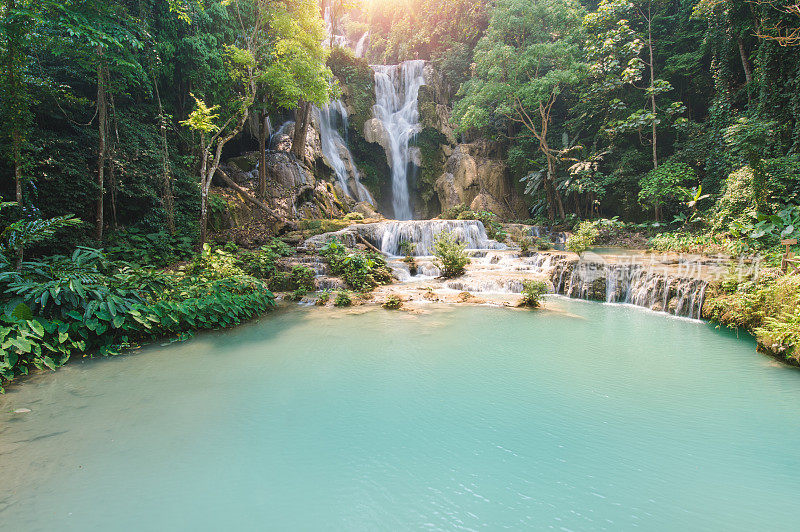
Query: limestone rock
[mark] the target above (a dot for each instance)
(375, 132)
(287, 171)
(476, 176)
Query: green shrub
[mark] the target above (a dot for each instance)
(393, 303)
(342, 300)
(217, 263)
(662, 186)
(450, 252)
(738, 201)
(407, 248)
(524, 240)
(354, 216)
(583, 238)
(258, 263)
(279, 247)
(299, 277)
(532, 291)
(362, 271)
(297, 295)
(323, 298)
(97, 306)
(453, 212)
(149, 249)
(768, 306)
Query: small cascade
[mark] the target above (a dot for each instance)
(280, 135)
(388, 236)
(359, 51)
(396, 93)
(632, 284)
(334, 146)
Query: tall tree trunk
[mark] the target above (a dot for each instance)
(652, 84)
(112, 149)
(301, 115)
(102, 118)
(204, 190)
(262, 157)
(748, 73)
(166, 183)
(551, 175)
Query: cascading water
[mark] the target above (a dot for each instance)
(359, 51)
(333, 145)
(389, 235)
(396, 93)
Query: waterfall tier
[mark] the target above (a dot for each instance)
(389, 235)
(396, 94)
(336, 152)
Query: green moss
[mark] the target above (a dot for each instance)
(356, 75)
(429, 141)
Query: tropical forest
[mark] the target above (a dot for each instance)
(399, 264)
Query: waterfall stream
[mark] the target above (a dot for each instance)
(396, 93)
(334, 146)
(359, 51)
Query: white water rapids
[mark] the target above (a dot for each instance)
(396, 93)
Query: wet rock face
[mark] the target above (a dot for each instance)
(283, 169)
(476, 176)
(375, 133)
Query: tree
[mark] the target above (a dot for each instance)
(620, 49)
(664, 184)
(528, 57)
(16, 98)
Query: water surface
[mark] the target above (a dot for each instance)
(581, 417)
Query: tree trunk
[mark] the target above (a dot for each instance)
(203, 190)
(652, 84)
(166, 184)
(112, 149)
(301, 115)
(262, 157)
(102, 118)
(748, 73)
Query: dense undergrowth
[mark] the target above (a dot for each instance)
(91, 302)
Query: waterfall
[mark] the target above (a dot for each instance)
(359, 51)
(396, 94)
(387, 236)
(333, 145)
(631, 283)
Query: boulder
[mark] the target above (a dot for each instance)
(287, 171)
(476, 176)
(374, 132)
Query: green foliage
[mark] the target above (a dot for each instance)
(323, 298)
(86, 304)
(149, 249)
(18, 235)
(450, 252)
(583, 238)
(355, 74)
(392, 303)
(453, 212)
(361, 271)
(297, 295)
(532, 292)
(300, 277)
(407, 248)
(354, 216)
(767, 305)
(342, 300)
(683, 242)
(664, 185)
